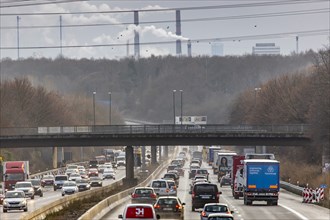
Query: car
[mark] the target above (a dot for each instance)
(171, 167)
(172, 176)
(47, 180)
(197, 181)
(196, 160)
(83, 184)
(144, 195)
(170, 206)
(81, 168)
(69, 187)
(203, 193)
(175, 171)
(210, 208)
(95, 181)
(225, 181)
(161, 187)
(139, 211)
(220, 216)
(72, 166)
(15, 200)
(203, 172)
(192, 173)
(59, 180)
(83, 175)
(93, 172)
(180, 171)
(173, 188)
(109, 174)
(36, 183)
(26, 187)
(194, 166)
(101, 168)
(71, 171)
(2, 196)
(74, 176)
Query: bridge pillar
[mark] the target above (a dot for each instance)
(143, 159)
(153, 154)
(54, 157)
(165, 152)
(129, 163)
(160, 153)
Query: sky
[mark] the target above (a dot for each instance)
(108, 26)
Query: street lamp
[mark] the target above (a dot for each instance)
(109, 107)
(174, 106)
(181, 93)
(94, 93)
(256, 90)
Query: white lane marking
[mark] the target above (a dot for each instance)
(294, 212)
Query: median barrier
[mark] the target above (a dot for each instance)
(57, 205)
(96, 212)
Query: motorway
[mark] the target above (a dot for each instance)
(49, 196)
(290, 206)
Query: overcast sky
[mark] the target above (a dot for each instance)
(238, 28)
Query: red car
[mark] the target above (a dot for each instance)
(93, 172)
(47, 180)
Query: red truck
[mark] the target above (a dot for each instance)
(237, 176)
(15, 171)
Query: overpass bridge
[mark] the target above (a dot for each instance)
(153, 135)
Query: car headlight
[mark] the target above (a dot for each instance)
(5, 202)
(23, 202)
(31, 190)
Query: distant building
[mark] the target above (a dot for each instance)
(266, 49)
(217, 49)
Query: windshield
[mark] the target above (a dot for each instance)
(69, 184)
(61, 178)
(216, 208)
(14, 176)
(23, 185)
(81, 181)
(15, 194)
(35, 182)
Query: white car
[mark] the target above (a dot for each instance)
(109, 174)
(26, 187)
(74, 176)
(15, 200)
(139, 211)
(69, 187)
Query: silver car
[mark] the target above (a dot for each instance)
(14, 200)
(69, 187)
(26, 187)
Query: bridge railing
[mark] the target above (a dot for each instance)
(154, 129)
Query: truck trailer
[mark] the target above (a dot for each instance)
(261, 181)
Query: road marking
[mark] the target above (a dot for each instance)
(294, 212)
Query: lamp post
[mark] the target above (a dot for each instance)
(174, 106)
(109, 107)
(181, 93)
(94, 93)
(256, 90)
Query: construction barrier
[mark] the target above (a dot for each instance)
(313, 195)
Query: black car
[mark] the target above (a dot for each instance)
(203, 193)
(47, 180)
(36, 183)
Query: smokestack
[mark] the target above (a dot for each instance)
(189, 48)
(136, 36)
(178, 32)
(297, 44)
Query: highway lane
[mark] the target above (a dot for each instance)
(49, 196)
(290, 206)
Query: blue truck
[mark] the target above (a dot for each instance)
(261, 181)
(210, 155)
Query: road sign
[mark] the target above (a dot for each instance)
(323, 186)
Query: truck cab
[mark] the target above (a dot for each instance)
(15, 171)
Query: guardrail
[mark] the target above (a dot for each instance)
(97, 209)
(154, 129)
(291, 188)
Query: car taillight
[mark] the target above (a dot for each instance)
(218, 197)
(153, 195)
(135, 195)
(177, 206)
(203, 214)
(156, 206)
(193, 195)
